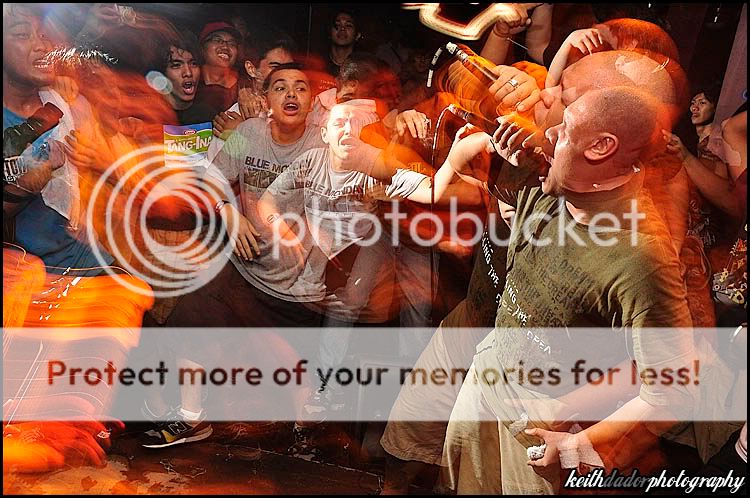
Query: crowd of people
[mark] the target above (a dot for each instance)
(300, 167)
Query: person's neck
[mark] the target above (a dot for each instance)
(337, 164)
(583, 207)
(286, 135)
(177, 104)
(216, 75)
(703, 131)
(22, 99)
(339, 53)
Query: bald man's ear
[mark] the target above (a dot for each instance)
(604, 147)
(324, 134)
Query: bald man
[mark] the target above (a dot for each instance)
(410, 441)
(575, 279)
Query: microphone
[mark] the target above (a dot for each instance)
(479, 121)
(478, 67)
(470, 61)
(513, 177)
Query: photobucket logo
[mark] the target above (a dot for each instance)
(581, 233)
(172, 262)
(428, 228)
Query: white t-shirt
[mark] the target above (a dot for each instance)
(253, 158)
(337, 206)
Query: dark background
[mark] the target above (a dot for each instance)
(704, 33)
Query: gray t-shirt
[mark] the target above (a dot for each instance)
(253, 158)
(338, 207)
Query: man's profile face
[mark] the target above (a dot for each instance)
(183, 71)
(584, 153)
(220, 49)
(289, 97)
(568, 140)
(343, 30)
(25, 45)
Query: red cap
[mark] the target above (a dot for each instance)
(213, 27)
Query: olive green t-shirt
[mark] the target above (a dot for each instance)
(618, 284)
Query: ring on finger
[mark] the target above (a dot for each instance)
(513, 82)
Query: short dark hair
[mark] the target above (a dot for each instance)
(361, 66)
(186, 41)
(710, 90)
(264, 46)
(349, 12)
(281, 67)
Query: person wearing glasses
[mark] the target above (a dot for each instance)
(218, 87)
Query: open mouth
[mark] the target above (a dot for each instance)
(223, 55)
(42, 64)
(545, 168)
(291, 108)
(188, 87)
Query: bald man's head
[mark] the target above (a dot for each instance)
(605, 70)
(621, 68)
(603, 135)
(626, 112)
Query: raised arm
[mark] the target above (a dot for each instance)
(718, 190)
(734, 135)
(585, 40)
(511, 18)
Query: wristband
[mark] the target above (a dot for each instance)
(219, 205)
(504, 36)
(271, 218)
